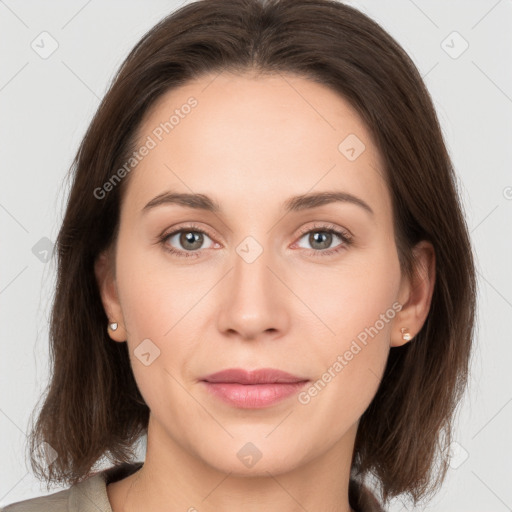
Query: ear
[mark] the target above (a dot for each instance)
(104, 271)
(416, 294)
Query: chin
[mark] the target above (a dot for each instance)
(253, 458)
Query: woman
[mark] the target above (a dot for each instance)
(264, 267)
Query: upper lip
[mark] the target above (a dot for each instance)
(260, 376)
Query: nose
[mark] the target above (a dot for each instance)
(254, 302)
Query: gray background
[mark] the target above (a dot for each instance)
(47, 103)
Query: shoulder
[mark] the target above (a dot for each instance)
(56, 502)
(88, 495)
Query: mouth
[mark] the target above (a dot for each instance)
(253, 389)
(261, 376)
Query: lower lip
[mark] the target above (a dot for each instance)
(253, 396)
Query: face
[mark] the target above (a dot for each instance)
(309, 287)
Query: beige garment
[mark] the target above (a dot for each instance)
(90, 495)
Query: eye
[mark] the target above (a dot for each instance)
(188, 239)
(320, 238)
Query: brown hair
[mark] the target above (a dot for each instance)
(93, 407)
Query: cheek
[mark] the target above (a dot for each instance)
(357, 308)
(349, 296)
(143, 311)
(350, 369)
(160, 306)
(153, 296)
(156, 318)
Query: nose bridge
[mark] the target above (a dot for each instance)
(251, 259)
(252, 280)
(254, 300)
(251, 272)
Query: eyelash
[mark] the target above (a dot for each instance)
(343, 235)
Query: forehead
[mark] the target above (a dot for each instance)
(255, 137)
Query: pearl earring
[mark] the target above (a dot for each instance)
(405, 333)
(113, 326)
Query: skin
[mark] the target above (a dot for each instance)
(251, 143)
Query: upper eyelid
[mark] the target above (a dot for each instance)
(327, 226)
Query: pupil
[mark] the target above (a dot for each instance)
(188, 238)
(316, 237)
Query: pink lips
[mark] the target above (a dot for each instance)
(253, 389)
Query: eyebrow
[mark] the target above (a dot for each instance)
(293, 204)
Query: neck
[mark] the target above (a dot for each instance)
(173, 478)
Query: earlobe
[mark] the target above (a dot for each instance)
(406, 335)
(403, 336)
(420, 289)
(103, 270)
